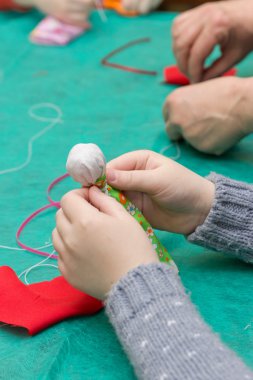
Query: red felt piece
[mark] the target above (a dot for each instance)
(38, 306)
(172, 75)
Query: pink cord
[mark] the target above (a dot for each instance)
(53, 184)
(105, 60)
(51, 204)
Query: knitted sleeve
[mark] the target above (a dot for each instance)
(163, 333)
(229, 225)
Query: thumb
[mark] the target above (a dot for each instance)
(104, 203)
(133, 180)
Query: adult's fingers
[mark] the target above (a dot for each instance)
(173, 131)
(182, 45)
(130, 5)
(202, 48)
(221, 65)
(183, 40)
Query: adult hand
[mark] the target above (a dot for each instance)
(98, 241)
(141, 6)
(171, 197)
(228, 24)
(75, 12)
(211, 116)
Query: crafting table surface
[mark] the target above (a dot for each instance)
(120, 112)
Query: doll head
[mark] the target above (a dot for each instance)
(86, 164)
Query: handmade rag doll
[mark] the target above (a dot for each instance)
(86, 164)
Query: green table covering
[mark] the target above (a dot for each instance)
(120, 112)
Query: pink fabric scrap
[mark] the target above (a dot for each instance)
(53, 32)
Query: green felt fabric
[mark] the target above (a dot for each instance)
(120, 112)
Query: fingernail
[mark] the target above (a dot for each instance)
(111, 175)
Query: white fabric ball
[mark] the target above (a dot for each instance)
(86, 164)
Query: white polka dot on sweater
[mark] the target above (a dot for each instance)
(163, 376)
(166, 349)
(144, 343)
(191, 353)
(197, 335)
(171, 322)
(148, 316)
(178, 303)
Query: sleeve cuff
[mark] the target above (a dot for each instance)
(229, 225)
(140, 288)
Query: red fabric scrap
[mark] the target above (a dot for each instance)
(6, 5)
(172, 75)
(38, 306)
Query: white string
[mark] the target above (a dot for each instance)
(52, 123)
(178, 151)
(100, 10)
(22, 249)
(38, 265)
(28, 270)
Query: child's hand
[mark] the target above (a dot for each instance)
(98, 241)
(141, 6)
(170, 196)
(75, 12)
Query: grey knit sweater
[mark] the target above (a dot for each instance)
(160, 329)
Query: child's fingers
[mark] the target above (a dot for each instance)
(130, 161)
(134, 180)
(63, 225)
(58, 244)
(75, 203)
(105, 204)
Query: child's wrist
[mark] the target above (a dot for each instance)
(205, 204)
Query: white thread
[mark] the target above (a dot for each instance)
(27, 271)
(22, 249)
(52, 123)
(100, 10)
(178, 153)
(38, 265)
(248, 326)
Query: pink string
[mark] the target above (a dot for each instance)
(53, 184)
(51, 204)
